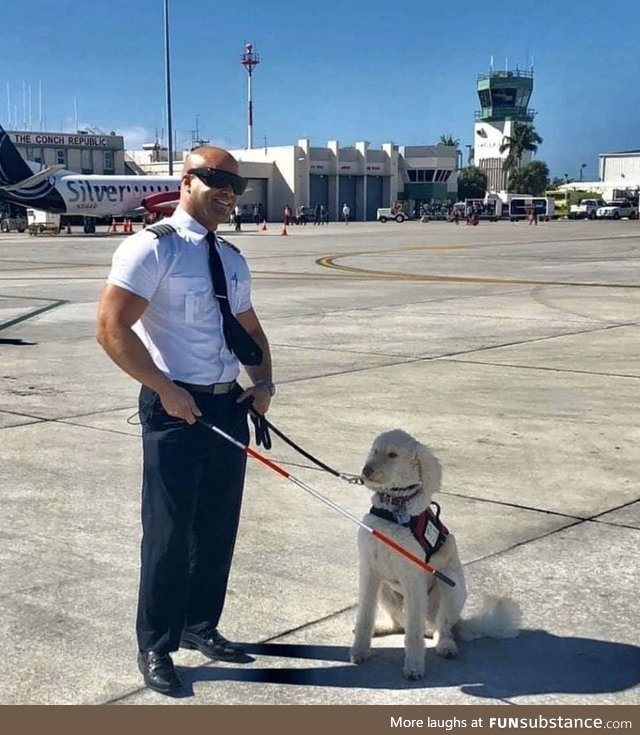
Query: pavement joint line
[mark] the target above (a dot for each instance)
(31, 314)
(578, 522)
(499, 291)
(447, 355)
(518, 506)
(24, 298)
(549, 369)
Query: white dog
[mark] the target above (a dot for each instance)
(404, 475)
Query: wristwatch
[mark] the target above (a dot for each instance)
(267, 384)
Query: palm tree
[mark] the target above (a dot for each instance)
(450, 140)
(524, 138)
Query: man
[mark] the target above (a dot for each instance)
(159, 320)
(346, 212)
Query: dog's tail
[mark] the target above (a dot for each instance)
(499, 617)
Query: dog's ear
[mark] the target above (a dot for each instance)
(429, 469)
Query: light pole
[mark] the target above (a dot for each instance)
(168, 87)
(249, 60)
(582, 168)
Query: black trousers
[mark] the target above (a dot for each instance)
(191, 496)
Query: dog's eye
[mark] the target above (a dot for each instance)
(393, 455)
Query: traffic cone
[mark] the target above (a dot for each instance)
(264, 225)
(284, 230)
(128, 227)
(114, 225)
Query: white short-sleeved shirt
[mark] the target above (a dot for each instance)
(182, 325)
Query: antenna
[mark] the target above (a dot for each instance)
(9, 104)
(249, 60)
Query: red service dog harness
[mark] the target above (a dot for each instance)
(427, 528)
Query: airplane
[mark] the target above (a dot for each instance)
(54, 189)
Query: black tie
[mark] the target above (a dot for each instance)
(237, 338)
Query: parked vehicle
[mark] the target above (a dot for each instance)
(485, 209)
(40, 222)
(11, 223)
(383, 214)
(522, 207)
(617, 209)
(586, 209)
(564, 198)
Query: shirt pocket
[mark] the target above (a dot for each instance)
(189, 297)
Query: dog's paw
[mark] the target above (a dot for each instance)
(413, 670)
(358, 656)
(446, 647)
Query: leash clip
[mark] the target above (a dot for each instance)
(351, 479)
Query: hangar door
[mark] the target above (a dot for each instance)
(374, 196)
(255, 193)
(318, 190)
(347, 195)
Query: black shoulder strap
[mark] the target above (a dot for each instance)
(160, 229)
(237, 338)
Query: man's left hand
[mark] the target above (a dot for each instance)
(261, 396)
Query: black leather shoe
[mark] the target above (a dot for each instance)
(158, 672)
(213, 645)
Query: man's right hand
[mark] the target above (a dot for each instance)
(179, 403)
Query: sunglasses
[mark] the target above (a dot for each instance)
(218, 179)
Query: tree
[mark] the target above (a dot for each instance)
(557, 181)
(532, 178)
(524, 139)
(449, 140)
(472, 183)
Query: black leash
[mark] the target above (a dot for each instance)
(262, 426)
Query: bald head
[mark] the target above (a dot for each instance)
(210, 156)
(207, 204)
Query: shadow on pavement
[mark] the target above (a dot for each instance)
(536, 662)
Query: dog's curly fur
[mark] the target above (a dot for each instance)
(415, 602)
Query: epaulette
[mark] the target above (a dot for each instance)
(161, 229)
(222, 241)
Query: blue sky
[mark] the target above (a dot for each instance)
(333, 70)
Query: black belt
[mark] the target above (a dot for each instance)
(215, 389)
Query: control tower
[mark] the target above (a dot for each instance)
(504, 100)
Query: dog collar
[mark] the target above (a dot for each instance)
(392, 497)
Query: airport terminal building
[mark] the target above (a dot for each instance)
(358, 175)
(84, 151)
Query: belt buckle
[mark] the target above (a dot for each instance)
(220, 388)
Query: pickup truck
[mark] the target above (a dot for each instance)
(586, 209)
(616, 209)
(384, 214)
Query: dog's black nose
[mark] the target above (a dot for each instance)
(367, 471)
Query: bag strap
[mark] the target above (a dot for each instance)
(238, 340)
